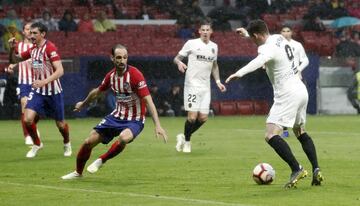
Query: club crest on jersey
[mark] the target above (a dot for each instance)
(126, 85)
(213, 50)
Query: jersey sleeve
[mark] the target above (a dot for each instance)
(26, 54)
(139, 85)
(185, 50)
(52, 53)
(105, 84)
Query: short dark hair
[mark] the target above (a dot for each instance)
(257, 26)
(42, 28)
(285, 26)
(26, 23)
(117, 46)
(205, 22)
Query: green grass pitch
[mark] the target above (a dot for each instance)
(149, 172)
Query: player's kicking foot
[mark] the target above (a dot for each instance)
(95, 166)
(180, 140)
(187, 147)
(317, 178)
(33, 151)
(72, 176)
(295, 177)
(67, 149)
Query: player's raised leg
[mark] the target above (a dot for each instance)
(83, 155)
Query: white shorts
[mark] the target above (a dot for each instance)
(289, 110)
(197, 99)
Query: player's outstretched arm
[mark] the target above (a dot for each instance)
(93, 94)
(216, 75)
(178, 61)
(159, 131)
(256, 63)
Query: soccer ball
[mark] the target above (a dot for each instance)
(263, 174)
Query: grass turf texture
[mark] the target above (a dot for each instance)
(217, 172)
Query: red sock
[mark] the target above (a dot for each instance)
(115, 149)
(65, 133)
(82, 156)
(25, 131)
(33, 133)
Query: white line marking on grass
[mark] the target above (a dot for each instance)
(315, 132)
(130, 194)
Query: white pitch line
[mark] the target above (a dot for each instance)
(130, 194)
(315, 132)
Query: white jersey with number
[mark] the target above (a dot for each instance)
(280, 65)
(298, 51)
(201, 57)
(290, 94)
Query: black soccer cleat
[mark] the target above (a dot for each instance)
(317, 178)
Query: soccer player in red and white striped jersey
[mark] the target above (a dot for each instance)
(46, 96)
(25, 78)
(127, 119)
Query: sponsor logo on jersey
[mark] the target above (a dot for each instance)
(205, 58)
(141, 85)
(53, 54)
(37, 64)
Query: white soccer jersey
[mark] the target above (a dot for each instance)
(280, 65)
(300, 58)
(201, 57)
(26, 73)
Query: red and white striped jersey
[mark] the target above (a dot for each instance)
(26, 73)
(129, 89)
(41, 60)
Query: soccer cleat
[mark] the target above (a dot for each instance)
(295, 177)
(67, 149)
(187, 147)
(71, 176)
(180, 140)
(317, 178)
(28, 140)
(34, 149)
(95, 166)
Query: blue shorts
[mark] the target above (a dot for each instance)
(51, 106)
(111, 127)
(23, 90)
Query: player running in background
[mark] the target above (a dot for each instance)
(46, 96)
(128, 118)
(202, 62)
(25, 78)
(300, 59)
(290, 98)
